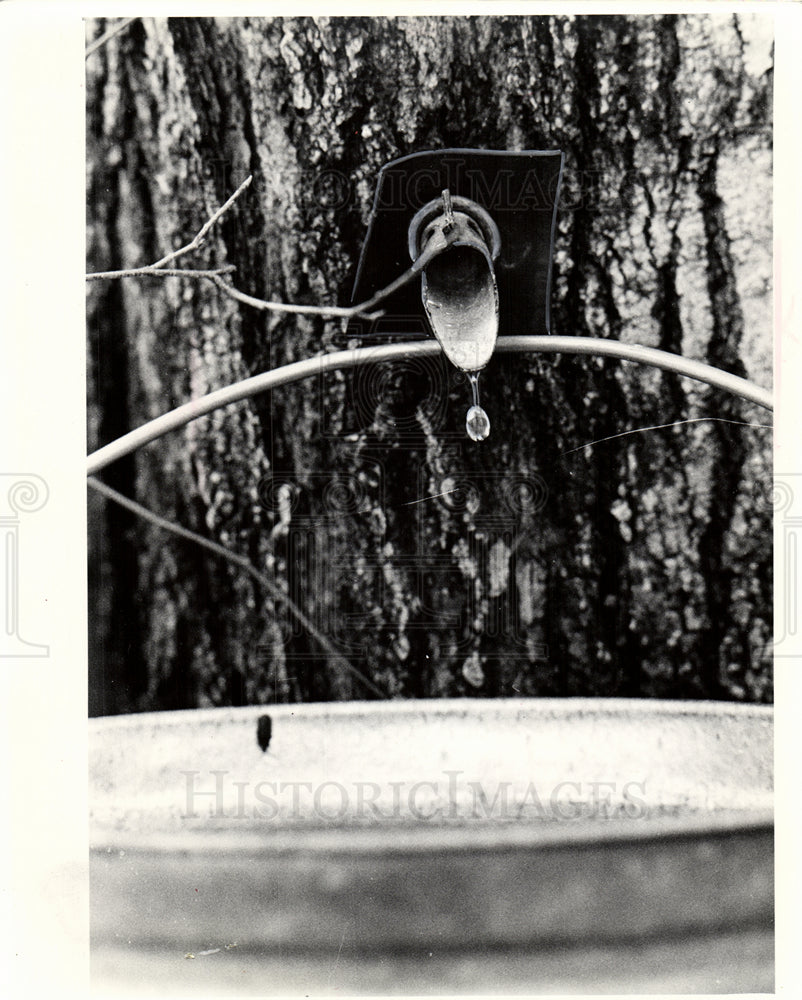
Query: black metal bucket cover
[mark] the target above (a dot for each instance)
(520, 191)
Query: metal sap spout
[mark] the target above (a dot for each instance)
(458, 286)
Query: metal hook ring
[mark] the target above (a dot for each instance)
(432, 209)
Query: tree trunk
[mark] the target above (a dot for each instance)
(638, 566)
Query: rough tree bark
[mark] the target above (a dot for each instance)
(639, 566)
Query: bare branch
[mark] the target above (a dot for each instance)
(194, 244)
(436, 245)
(658, 427)
(162, 272)
(99, 42)
(240, 561)
(201, 235)
(249, 300)
(363, 309)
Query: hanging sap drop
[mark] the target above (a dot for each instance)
(477, 424)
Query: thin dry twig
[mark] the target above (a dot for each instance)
(436, 245)
(658, 427)
(240, 561)
(363, 309)
(196, 242)
(215, 274)
(201, 235)
(161, 272)
(99, 42)
(343, 312)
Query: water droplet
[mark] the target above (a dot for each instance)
(477, 424)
